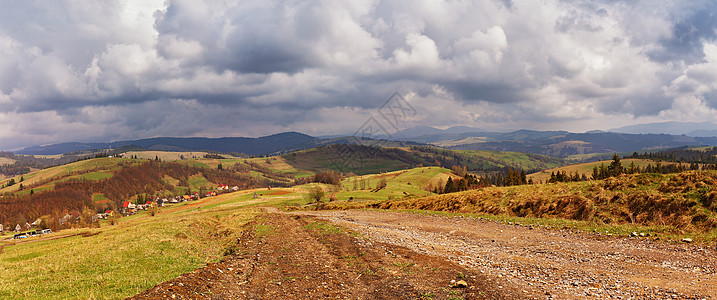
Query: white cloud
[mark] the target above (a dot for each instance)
(303, 65)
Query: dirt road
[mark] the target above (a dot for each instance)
(393, 255)
(559, 263)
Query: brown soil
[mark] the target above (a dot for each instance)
(395, 255)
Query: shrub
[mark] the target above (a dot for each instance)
(315, 193)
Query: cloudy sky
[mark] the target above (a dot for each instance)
(115, 70)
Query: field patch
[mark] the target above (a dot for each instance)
(117, 261)
(587, 168)
(278, 193)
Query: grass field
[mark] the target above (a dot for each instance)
(165, 155)
(587, 168)
(93, 169)
(6, 161)
(391, 159)
(117, 261)
(399, 184)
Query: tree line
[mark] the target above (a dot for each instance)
(616, 168)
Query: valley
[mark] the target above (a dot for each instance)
(380, 229)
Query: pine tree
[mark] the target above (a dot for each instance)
(615, 167)
(450, 187)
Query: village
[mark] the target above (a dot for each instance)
(127, 209)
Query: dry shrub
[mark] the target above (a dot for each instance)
(709, 201)
(687, 181)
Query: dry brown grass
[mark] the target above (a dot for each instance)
(685, 201)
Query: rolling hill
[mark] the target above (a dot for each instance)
(280, 142)
(361, 160)
(564, 144)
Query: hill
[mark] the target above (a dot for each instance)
(361, 160)
(95, 185)
(280, 142)
(699, 129)
(586, 168)
(673, 203)
(564, 144)
(225, 233)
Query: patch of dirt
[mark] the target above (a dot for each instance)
(282, 256)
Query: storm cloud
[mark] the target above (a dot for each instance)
(97, 71)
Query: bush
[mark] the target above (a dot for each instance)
(315, 193)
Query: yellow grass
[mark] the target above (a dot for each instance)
(164, 155)
(117, 261)
(54, 156)
(468, 140)
(59, 172)
(587, 168)
(6, 161)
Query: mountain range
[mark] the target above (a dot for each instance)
(551, 143)
(251, 146)
(272, 144)
(695, 129)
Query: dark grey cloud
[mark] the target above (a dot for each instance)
(688, 33)
(134, 69)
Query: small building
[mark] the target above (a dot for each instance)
(65, 219)
(1, 228)
(18, 228)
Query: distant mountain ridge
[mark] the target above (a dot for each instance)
(694, 129)
(266, 145)
(550, 143)
(564, 143)
(280, 142)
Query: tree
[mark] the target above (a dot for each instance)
(596, 173)
(381, 183)
(220, 167)
(450, 187)
(316, 193)
(615, 167)
(460, 170)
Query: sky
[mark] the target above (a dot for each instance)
(117, 70)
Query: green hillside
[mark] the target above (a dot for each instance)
(587, 168)
(370, 160)
(121, 257)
